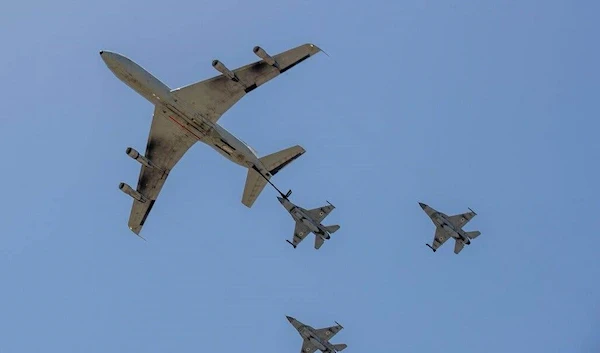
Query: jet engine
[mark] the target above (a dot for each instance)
(129, 191)
(261, 53)
(131, 152)
(224, 70)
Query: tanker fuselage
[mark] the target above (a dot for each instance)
(181, 112)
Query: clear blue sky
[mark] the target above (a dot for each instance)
(491, 105)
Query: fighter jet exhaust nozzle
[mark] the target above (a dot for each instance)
(261, 53)
(224, 70)
(134, 194)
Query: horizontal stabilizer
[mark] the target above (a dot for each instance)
(319, 242)
(473, 234)
(332, 229)
(340, 347)
(458, 246)
(255, 183)
(278, 160)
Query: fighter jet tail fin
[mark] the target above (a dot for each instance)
(473, 234)
(340, 347)
(332, 229)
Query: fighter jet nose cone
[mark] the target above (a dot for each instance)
(422, 205)
(280, 200)
(101, 52)
(290, 319)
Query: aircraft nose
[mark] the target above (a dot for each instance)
(290, 319)
(422, 205)
(108, 57)
(281, 201)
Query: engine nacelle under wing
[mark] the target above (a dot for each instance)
(224, 70)
(131, 152)
(134, 194)
(261, 53)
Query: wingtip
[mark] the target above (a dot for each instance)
(141, 237)
(319, 49)
(136, 231)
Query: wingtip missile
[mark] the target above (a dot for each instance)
(472, 210)
(338, 324)
(330, 204)
(291, 243)
(431, 247)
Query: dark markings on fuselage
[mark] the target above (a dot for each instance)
(221, 148)
(225, 142)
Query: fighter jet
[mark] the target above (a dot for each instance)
(308, 221)
(450, 227)
(188, 114)
(317, 338)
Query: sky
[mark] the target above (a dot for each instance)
(491, 105)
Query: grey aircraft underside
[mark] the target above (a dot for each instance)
(450, 227)
(188, 114)
(308, 221)
(314, 339)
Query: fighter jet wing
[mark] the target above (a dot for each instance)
(168, 141)
(319, 214)
(460, 220)
(308, 347)
(215, 96)
(328, 332)
(439, 238)
(300, 232)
